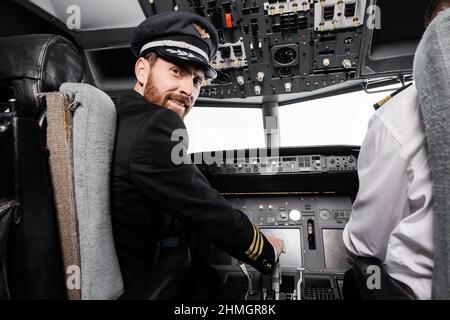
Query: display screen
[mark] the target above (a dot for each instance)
(292, 241)
(334, 249)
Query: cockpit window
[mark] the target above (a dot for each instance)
(213, 129)
(335, 120)
(94, 15)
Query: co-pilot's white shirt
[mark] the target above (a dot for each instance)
(392, 216)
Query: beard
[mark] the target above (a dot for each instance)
(153, 95)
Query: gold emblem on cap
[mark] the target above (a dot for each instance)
(201, 31)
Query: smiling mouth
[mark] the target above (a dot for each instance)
(178, 103)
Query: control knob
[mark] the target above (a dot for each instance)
(325, 214)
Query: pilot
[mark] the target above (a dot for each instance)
(392, 216)
(149, 183)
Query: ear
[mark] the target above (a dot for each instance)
(141, 70)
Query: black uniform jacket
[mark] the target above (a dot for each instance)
(147, 185)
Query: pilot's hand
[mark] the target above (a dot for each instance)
(278, 244)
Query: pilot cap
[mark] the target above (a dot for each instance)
(182, 36)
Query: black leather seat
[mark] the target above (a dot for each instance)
(33, 258)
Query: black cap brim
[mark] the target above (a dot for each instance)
(187, 56)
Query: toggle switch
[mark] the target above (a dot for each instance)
(260, 76)
(305, 6)
(347, 64)
(321, 26)
(287, 87)
(271, 11)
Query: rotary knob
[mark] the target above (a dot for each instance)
(295, 215)
(325, 214)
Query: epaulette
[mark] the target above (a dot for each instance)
(380, 103)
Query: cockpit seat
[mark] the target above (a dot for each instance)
(78, 130)
(93, 133)
(432, 75)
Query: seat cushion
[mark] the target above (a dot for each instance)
(94, 125)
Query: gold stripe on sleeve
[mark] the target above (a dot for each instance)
(258, 242)
(251, 248)
(261, 245)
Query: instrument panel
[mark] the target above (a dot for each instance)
(300, 195)
(314, 262)
(282, 165)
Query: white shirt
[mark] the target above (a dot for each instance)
(392, 216)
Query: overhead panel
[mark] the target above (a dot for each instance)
(269, 48)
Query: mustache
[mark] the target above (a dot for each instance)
(186, 100)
